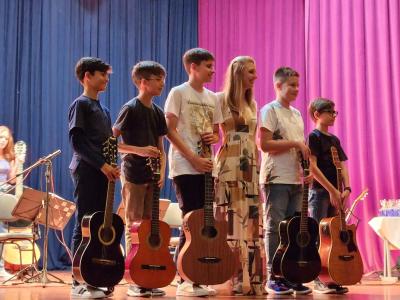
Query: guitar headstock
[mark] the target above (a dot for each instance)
(20, 151)
(335, 157)
(110, 150)
(154, 164)
(363, 195)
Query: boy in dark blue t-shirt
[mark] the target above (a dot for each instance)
(325, 197)
(141, 124)
(89, 128)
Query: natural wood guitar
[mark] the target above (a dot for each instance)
(297, 258)
(149, 263)
(206, 257)
(340, 257)
(99, 261)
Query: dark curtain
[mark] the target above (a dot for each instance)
(40, 42)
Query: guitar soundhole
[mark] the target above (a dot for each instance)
(107, 235)
(344, 236)
(154, 240)
(209, 232)
(303, 239)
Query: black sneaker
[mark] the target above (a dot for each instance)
(298, 288)
(339, 289)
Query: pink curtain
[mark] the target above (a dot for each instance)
(348, 51)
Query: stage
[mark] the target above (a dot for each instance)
(370, 288)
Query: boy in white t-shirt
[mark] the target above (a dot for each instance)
(193, 114)
(281, 137)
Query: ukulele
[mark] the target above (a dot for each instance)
(149, 263)
(206, 257)
(99, 261)
(340, 257)
(297, 258)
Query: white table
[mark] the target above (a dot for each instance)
(388, 229)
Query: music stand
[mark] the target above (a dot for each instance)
(47, 209)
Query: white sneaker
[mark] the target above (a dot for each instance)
(211, 291)
(137, 291)
(86, 292)
(191, 290)
(4, 274)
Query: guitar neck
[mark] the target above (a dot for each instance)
(155, 213)
(209, 200)
(341, 208)
(304, 204)
(108, 213)
(19, 181)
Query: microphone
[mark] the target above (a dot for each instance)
(51, 155)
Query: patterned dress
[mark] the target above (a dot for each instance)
(237, 198)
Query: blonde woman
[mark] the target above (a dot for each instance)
(237, 195)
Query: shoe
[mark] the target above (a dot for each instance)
(322, 288)
(157, 292)
(137, 291)
(237, 289)
(278, 287)
(4, 274)
(338, 288)
(191, 290)
(298, 288)
(211, 291)
(86, 292)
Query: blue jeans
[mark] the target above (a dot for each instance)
(281, 201)
(319, 204)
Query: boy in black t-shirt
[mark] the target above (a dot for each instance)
(89, 128)
(141, 123)
(325, 197)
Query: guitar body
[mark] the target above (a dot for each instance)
(283, 244)
(340, 257)
(206, 257)
(99, 261)
(149, 263)
(300, 261)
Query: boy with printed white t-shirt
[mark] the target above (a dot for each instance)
(193, 115)
(281, 137)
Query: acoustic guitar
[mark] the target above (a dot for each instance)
(149, 263)
(206, 257)
(297, 258)
(99, 261)
(340, 257)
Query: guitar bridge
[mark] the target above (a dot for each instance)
(302, 263)
(346, 257)
(153, 267)
(104, 262)
(209, 260)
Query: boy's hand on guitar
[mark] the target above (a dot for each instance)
(345, 195)
(335, 198)
(201, 164)
(111, 173)
(209, 138)
(305, 151)
(308, 179)
(149, 151)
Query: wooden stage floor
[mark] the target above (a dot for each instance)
(369, 289)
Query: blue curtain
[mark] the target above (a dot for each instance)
(40, 42)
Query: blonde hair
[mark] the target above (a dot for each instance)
(233, 87)
(8, 151)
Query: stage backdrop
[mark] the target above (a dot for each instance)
(348, 51)
(41, 42)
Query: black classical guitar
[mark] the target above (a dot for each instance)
(99, 261)
(297, 258)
